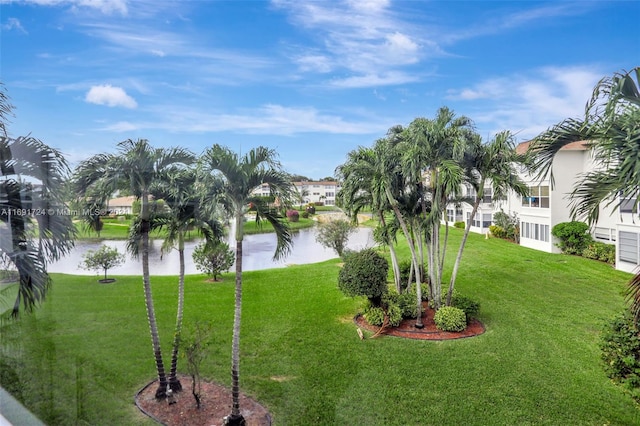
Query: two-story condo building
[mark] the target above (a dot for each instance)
(548, 204)
(312, 191)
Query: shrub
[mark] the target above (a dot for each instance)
(449, 318)
(405, 302)
(405, 270)
(335, 234)
(293, 215)
(305, 214)
(311, 209)
(620, 345)
(364, 274)
(601, 251)
(395, 315)
(574, 236)
(459, 225)
(374, 315)
(213, 259)
(469, 306)
(509, 224)
(498, 231)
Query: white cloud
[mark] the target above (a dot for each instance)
(270, 119)
(13, 24)
(110, 96)
(107, 7)
(530, 103)
(358, 36)
(374, 80)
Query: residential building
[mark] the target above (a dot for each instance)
(548, 204)
(313, 191)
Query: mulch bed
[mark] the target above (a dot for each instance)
(407, 330)
(215, 405)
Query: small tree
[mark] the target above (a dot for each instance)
(195, 349)
(364, 274)
(213, 259)
(104, 259)
(574, 236)
(335, 234)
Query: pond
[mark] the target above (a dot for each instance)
(258, 252)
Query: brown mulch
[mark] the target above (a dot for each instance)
(407, 330)
(216, 399)
(215, 405)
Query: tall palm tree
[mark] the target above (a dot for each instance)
(138, 165)
(186, 214)
(32, 177)
(35, 226)
(361, 186)
(232, 180)
(494, 163)
(611, 128)
(435, 148)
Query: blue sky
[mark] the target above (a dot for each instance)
(313, 80)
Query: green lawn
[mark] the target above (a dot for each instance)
(82, 356)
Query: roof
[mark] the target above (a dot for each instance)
(523, 147)
(122, 201)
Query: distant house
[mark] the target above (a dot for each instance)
(120, 205)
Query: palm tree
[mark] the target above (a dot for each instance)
(611, 128)
(232, 179)
(185, 214)
(35, 226)
(492, 163)
(32, 177)
(435, 147)
(361, 188)
(139, 165)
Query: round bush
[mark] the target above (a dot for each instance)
(364, 274)
(449, 318)
(620, 346)
(293, 215)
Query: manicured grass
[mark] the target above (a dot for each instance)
(86, 351)
(251, 227)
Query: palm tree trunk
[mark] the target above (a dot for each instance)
(161, 392)
(235, 418)
(394, 257)
(412, 249)
(174, 382)
(456, 265)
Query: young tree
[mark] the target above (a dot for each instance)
(231, 179)
(102, 259)
(213, 259)
(335, 235)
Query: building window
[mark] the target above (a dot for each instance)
(487, 196)
(534, 231)
(330, 194)
(451, 215)
(628, 247)
(538, 197)
(487, 218)
(627, 205)
(606, 234)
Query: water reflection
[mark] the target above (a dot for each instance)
(257, 254)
